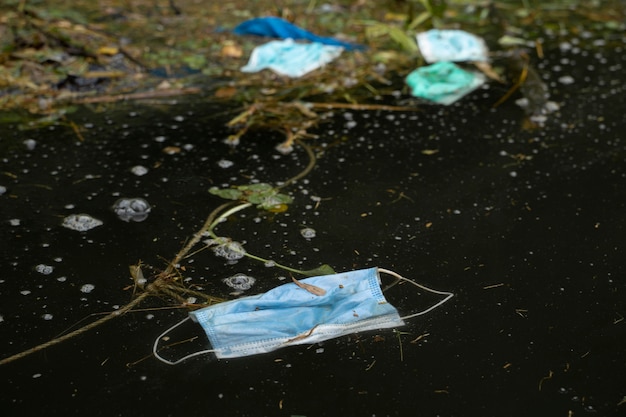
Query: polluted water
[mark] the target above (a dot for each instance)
(523, 222)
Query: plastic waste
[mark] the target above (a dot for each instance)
(304, 311)
(275, 27)
(451, 45)
(290, 58)
(443, 82)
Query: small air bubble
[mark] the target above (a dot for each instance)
(225, 163)
(139, 170)
(308, 233)
(87, 288)
(44, 269)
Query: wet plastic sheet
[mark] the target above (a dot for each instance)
(451, 45)
(443, 82)
(275, 27)
(290, 58)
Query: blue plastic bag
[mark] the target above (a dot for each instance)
(275, 27)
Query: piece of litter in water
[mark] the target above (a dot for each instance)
(290, 58)
(451, 45)
(275, 27)
(443, 82)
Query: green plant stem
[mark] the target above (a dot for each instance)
(258, 258)
(215, 222)
(306, 170)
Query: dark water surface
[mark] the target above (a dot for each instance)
(526, 227)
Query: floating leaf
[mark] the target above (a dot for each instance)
(263, 195)
(229, 193)
(320, 270)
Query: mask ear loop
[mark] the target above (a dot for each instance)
(431, 308)
(155, 350)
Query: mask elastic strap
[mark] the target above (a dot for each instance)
(155, 347)
(431, 308)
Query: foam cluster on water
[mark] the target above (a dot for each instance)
(81, 222)
(240, 282)
(135, 209)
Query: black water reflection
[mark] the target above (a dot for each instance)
(525, 227)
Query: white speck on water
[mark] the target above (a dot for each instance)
(270, 264)
(47, 316)
(24, 292)
(62, 279)
(139, 170)
(3, 189)
(566, 80)
(1, 318)
(81, 222)
(319, 350)
(149, 316)
(225, 163)
(69, 206)
(513, 174)
(179, 118)
(44, 269)
(159, 139)
(143, 377)
(87, 288)
(220, 395)
(30, 144)
(308, 233)
(15, 222)
(35, 376)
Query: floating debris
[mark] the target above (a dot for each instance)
(81, 222)
(135, 209)
(240, 282)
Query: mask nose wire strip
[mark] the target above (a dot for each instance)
(431, 308)
(155, 347)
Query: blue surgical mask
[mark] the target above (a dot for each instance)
(317, 309)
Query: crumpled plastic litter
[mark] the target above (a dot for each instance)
(451, 45)
(290, 58)
(443, 82)
(275, 27)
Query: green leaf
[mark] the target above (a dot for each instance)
(229, 193)
(320, 270)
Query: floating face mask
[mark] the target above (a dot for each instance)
(304, 312)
